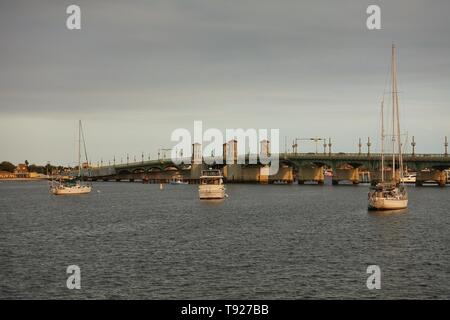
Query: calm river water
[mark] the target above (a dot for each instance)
(133, 240)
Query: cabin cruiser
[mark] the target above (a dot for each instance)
(211, 185)
(409, 178)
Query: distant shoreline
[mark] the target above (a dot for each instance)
(23, 179)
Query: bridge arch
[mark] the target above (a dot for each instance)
(185, 166)
(441, 167)
(171, 168)
(309, 163)
(348, 165)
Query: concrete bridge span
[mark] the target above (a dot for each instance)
(299, 168)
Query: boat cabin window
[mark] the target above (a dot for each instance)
(211, 181)
(211, 173)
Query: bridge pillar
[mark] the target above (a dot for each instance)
(247, 174)
(310, 174)
(263, 175)
(284, 173)
(438, 176)
(351, 174)
(364, 176)
(233, 173)
(196, 171)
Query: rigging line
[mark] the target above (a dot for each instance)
(85, 149)
(386, 79)
(405, 146)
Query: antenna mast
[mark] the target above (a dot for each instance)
(393, 111)
(382, 140)
(79, 148)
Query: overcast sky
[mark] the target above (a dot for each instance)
(137, 70)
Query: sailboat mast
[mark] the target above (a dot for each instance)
(397, 114)
(79, 148)
(84, 144)
(393, 112)
(382, 140)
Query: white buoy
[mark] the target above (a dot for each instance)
(161, 187)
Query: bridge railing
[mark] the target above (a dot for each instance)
(308, 155)
(344, 155)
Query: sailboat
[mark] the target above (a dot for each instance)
(73, 186)
(391, 194)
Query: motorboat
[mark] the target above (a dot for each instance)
(211, 185)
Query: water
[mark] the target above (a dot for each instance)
(263, 242)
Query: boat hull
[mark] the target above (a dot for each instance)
(211, 192)
(71, 190)
(387, 204)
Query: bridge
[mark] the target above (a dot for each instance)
(293, 168)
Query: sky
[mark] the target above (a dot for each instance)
(137, 70)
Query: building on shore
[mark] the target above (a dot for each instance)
(21, 171)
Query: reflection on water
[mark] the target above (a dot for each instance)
(133, 240)
(212, 202)
(387, 213)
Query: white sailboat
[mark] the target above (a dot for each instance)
(391, 195)
(73, 186)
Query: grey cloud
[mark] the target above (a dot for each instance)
(290, 63)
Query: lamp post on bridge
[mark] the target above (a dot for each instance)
(142, 157)
(128, 158)
(413, 145)
(446, 146)
(294, 146)
(329, 146)
(368, 146)
(359, 146)
(324, 145)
